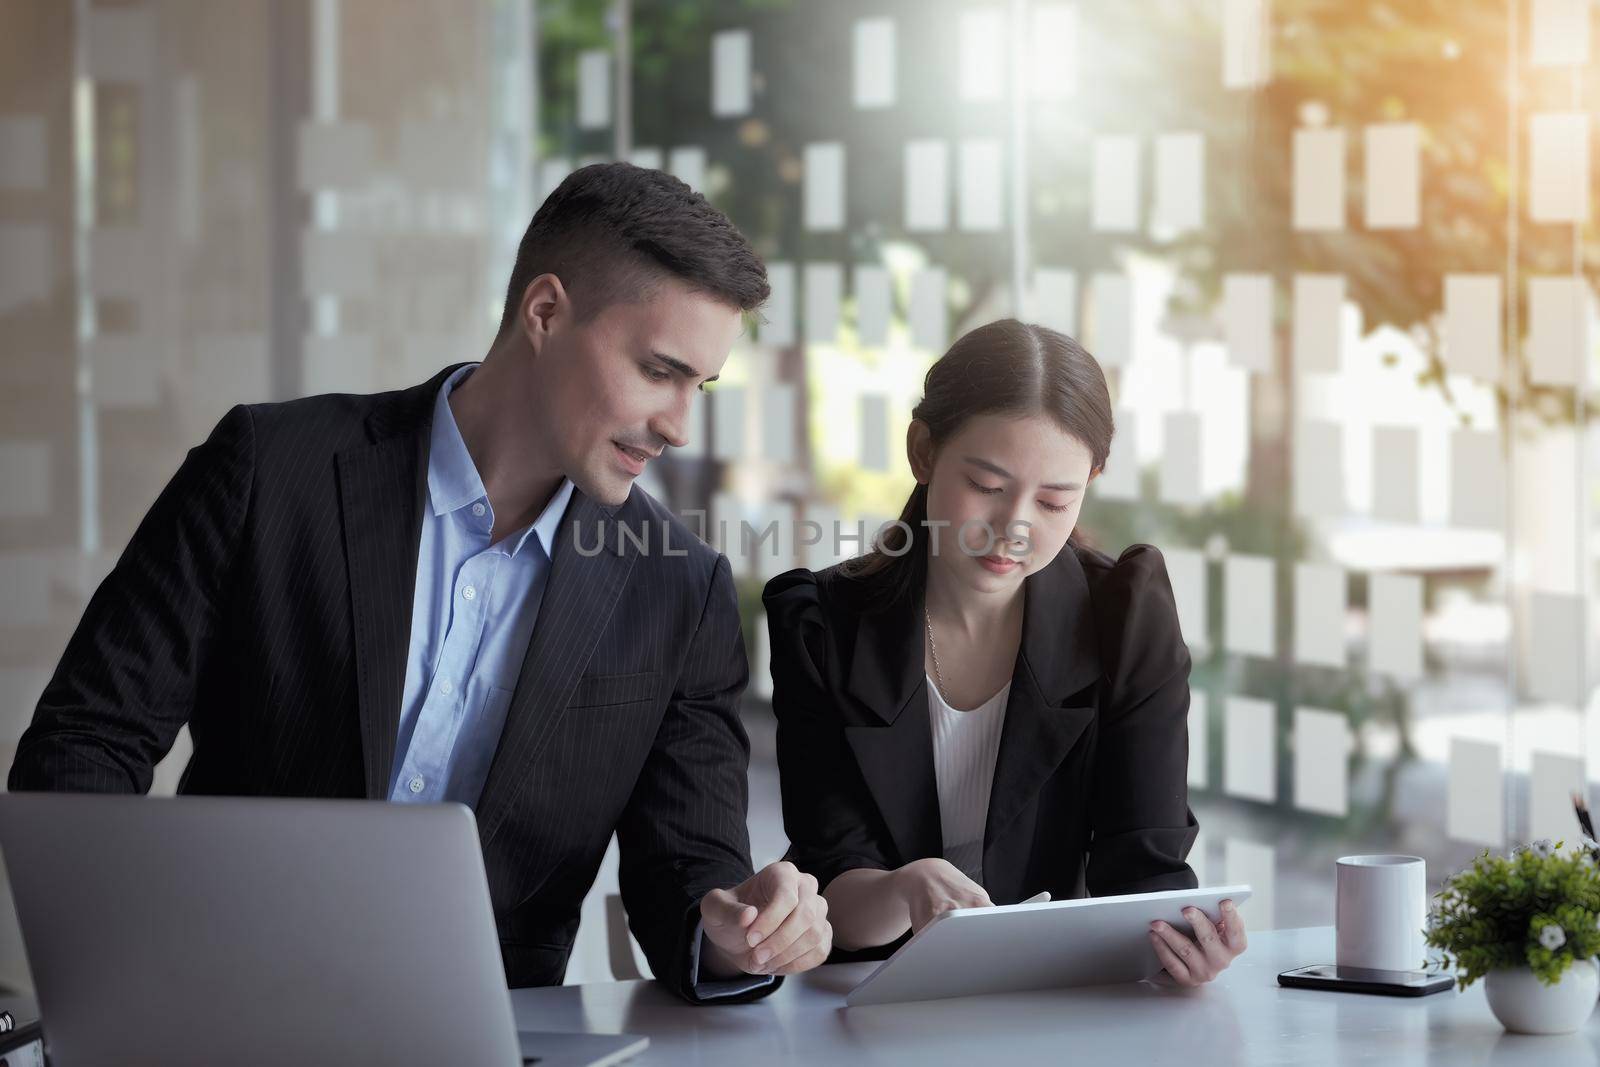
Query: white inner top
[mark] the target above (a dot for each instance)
(965, 745)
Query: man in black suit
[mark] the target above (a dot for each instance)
(454, 592)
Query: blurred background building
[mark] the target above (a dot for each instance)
(1337, 257)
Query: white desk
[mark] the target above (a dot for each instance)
(1244, 1017)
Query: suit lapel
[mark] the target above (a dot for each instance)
(381, 492)
(1052, 701)
(1052, 694)
(585, 582)
(896, 758)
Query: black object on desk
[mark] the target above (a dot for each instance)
(1366, 980)
(1581, 807)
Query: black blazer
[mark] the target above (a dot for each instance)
(266, 601)
(1090, 793)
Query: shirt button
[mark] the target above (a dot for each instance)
(468, 593)
(416, 784)
(445, 686)
(478, 509)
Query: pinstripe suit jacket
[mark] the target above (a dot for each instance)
(266, 598)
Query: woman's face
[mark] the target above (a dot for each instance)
(1009, 489)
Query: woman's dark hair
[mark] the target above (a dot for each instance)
(610, 231)
(1002, 368)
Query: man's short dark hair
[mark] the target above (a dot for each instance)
(610, 231)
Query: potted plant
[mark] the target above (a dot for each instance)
(1529, 924)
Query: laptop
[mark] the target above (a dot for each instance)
(205, 930)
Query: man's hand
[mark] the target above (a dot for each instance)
(773, 923)
(931, 887)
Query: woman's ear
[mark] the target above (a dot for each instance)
(920, 451)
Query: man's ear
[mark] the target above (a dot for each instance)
(544, 304)
(920, 450)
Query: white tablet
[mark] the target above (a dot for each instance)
(1092, 941)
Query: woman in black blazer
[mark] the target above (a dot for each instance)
(1066, 772)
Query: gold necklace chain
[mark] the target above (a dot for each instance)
(938, 677)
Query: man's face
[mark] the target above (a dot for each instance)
(615, 389)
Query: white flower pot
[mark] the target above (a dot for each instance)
(1525, 1005)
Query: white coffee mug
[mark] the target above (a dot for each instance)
(1380, 903)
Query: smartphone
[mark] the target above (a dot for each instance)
(1366, 980)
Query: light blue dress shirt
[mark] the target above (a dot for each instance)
(472, 615)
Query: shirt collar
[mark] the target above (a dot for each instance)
(548, 523)
(453, 481)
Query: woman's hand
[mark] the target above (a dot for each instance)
(934, 886)
(1195, 961)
